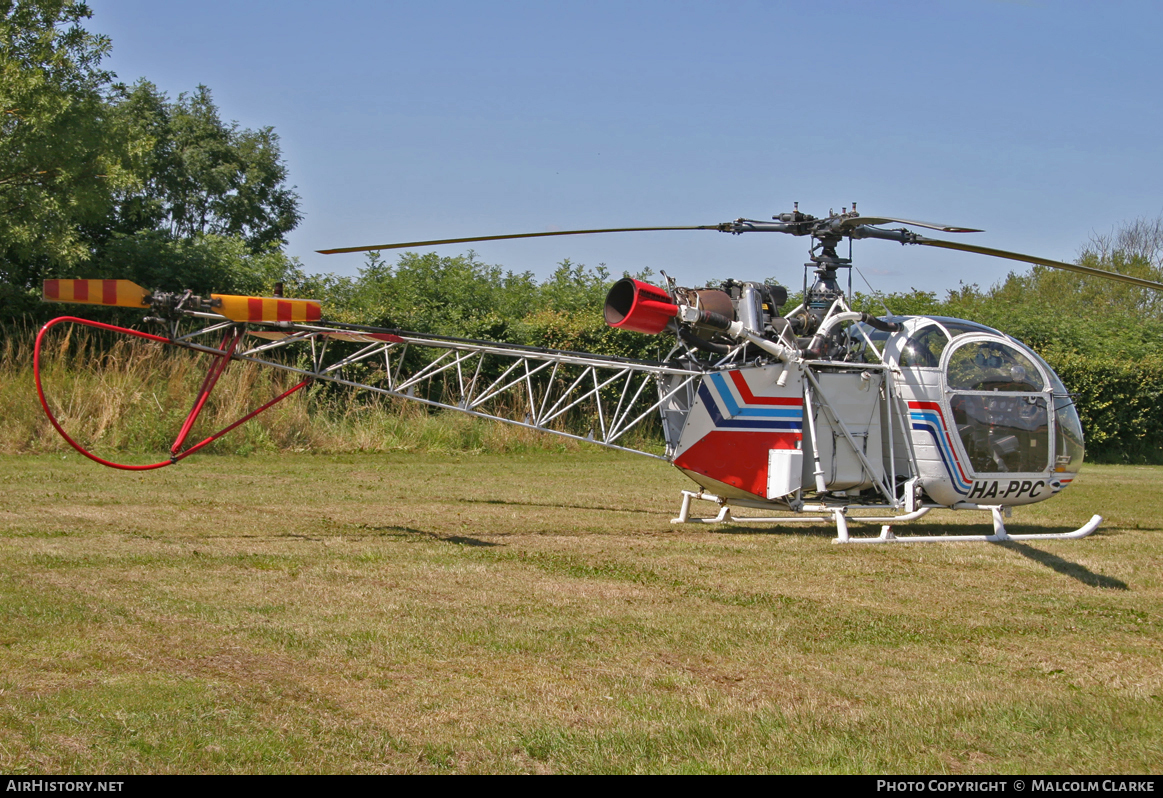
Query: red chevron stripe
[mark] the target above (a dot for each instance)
(751, 399)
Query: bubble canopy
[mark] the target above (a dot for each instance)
(1012, 413)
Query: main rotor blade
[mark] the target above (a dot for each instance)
(500, 238)
(1054, 264)
(944, 228)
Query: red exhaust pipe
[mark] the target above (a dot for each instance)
(638, 306)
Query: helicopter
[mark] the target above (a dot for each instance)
(812, 414)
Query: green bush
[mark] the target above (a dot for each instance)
(1119, 402)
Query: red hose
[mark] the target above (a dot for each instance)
(207, 386)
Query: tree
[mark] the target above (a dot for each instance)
(1053, 309)
(92, 171)
(202, 264)
(201, 176)
(1142, 238)
(62, 153)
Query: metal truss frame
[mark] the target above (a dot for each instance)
(524, 386)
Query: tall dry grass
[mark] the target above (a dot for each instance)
(131, 396)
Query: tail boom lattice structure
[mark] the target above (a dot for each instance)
(546, 390)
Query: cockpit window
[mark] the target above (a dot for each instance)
(1002, 421)
(1070, 450)
(1003, 433)
(993, 366)
(924, 347)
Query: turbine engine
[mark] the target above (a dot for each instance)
(716, 319)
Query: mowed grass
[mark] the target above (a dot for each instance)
(538, 613)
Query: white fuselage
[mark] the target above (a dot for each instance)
(965, 413)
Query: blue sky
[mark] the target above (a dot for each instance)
(1037, 121)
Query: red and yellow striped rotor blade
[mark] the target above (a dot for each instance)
(267, 310)
(121, 293)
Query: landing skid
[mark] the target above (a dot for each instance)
(839, 516)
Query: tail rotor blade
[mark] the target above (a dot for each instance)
(267, 310)
(1053, 264)
(118, 293)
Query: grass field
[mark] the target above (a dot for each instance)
(537, 613)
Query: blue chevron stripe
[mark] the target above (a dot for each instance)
(734, 410)
(927, 421)
(790, 424)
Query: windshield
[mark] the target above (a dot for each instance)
(1071, 449)
(1000, 407)
(993, 366)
